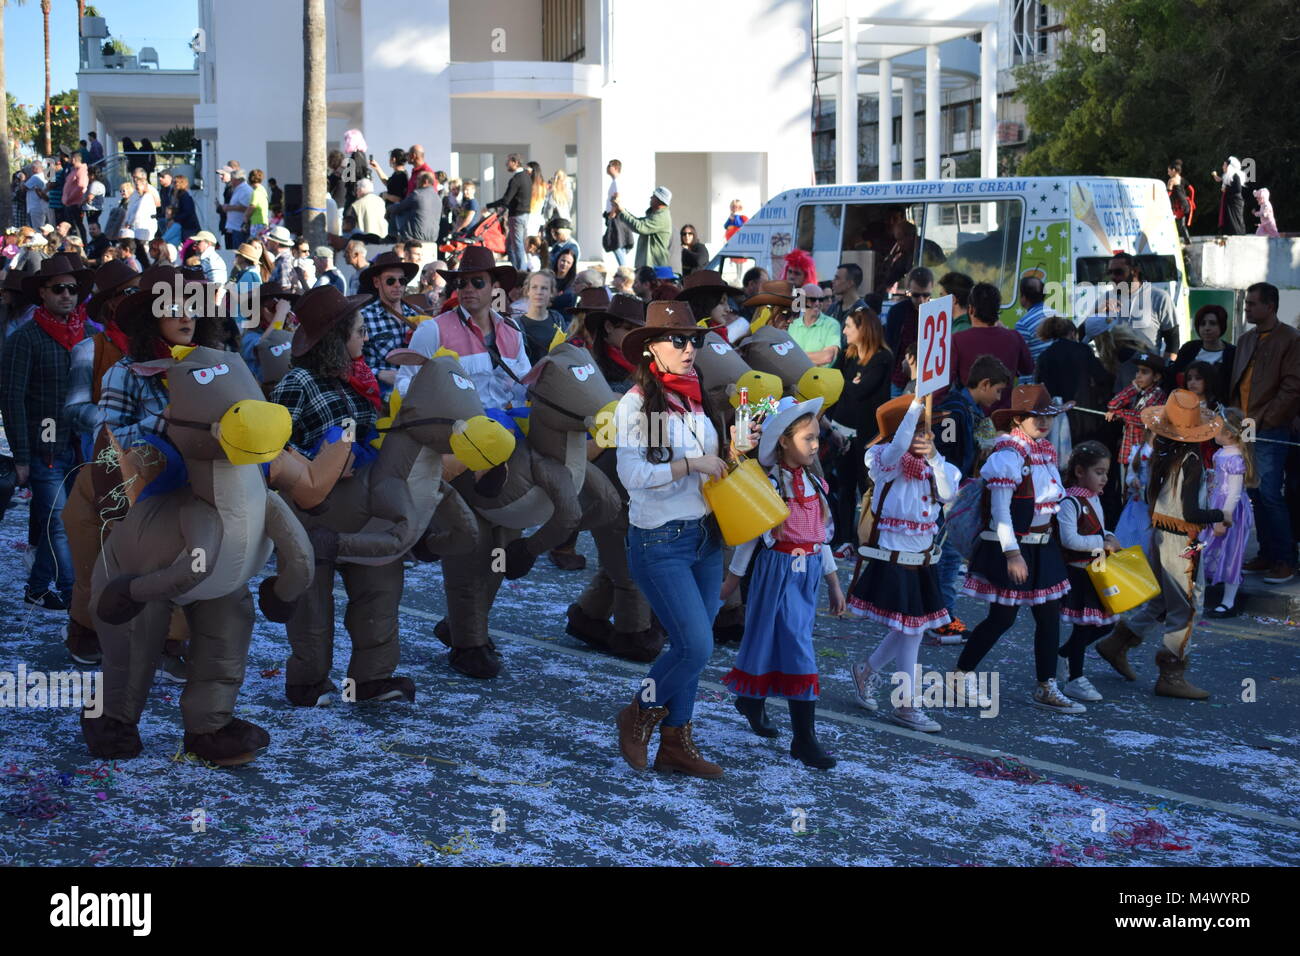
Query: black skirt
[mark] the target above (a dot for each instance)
(902, 598)
(1082, 605)
(987, 577)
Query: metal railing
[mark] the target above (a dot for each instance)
(563, 31)
(116, 168)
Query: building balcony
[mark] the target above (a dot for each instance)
(532, 79)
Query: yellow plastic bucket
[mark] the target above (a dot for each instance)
(745, 503)
(1123, 580)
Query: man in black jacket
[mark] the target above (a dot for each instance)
(516, 202)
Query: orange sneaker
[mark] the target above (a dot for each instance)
(954, 632)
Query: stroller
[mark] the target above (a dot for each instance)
(488, 232)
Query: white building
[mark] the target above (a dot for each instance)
(709, 99)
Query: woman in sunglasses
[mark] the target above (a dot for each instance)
(668, 443)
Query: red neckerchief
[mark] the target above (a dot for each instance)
(66, 332)
(1074, 491)
(616, 356)
(1038, 446)
(914, 466)
(805, 483)
(687, 386)
(113, 332)
(362, 381)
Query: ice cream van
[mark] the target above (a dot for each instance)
(1063, 229)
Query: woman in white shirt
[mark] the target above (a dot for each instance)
(141, 215)
(667, 446)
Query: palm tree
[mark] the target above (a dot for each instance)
(6, 206)
(313, 122)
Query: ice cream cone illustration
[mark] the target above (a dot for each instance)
(1086, 212)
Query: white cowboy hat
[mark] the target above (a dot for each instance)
(279, 235)
(788, 411)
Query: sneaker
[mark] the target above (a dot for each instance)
(845, 550)
(1279, 573)
(1081, 689)
(866, 685)
(968, 695)
(914, 719)
(954, 632)
(1049, 697)
(173, 668)
(1257, 565)
(49, 601)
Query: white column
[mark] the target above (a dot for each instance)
(885, 140)
(593, 184)
(846, 105)
(933, 111)
(989, 100)
(907, 149)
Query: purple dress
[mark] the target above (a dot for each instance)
(1222, 557)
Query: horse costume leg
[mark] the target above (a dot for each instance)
(82, 526)
(311, 634)
(374, 593)
(465, 585)
(221, 631)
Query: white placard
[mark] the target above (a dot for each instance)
(933, 346)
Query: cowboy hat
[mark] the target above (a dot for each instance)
(247, 250)
(593, 299)
(890, 414)
(1182, 418)
(145, 300)
(62, 264)
(1028, 400)
(775, 292)
(788, 411)
(14, 282)
(622, 308)
(110, 279)
(279, 235)
(481, 259)
(705, 282)
(381, 263)
(320, 309)
(661, 319)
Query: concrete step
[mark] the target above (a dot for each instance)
(1281, 601)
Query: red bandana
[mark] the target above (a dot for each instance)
(914, 466)
(616, 356)
(1074, 491)
(363, 382)
(115, 335)
(1041, 446)
(67, 333)
(686, 386)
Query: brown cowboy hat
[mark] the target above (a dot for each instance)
(135, 307)
(661, 319)
(318, 310)
(890, 414)
(62, 264)
(481, 259)
(590, 300)
(705, 282)
(622, 308)
(1182, 418)
(109, 280)
(775, 292)
(1028, 400)
(382, 262)
(14, 282)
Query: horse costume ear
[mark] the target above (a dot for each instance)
(535, 373)
(405, 357)
(156, 367)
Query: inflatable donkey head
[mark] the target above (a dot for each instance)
(772, 350)
(723, 373)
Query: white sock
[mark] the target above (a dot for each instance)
(886, 653)
(909, 648)
(1230, 594)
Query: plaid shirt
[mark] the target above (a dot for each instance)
(132, 405)
(387, 332)
(1127, 406)
(316, 405)
(33, 389)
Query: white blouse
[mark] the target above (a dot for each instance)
(654, 496)
(1068, 521)
(1004, 471)
(909, 521)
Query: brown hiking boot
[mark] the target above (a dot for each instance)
(1114, 648)
(678, 754)
(1279, 573)
(1171, 682)
(636, 724)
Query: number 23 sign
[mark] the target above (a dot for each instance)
(934, 346)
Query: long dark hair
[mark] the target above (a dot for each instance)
(654, 408)
(1165, 454)
(329, 357)
(147, 329)
(1208, 372)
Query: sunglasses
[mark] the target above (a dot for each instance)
(63, 288)
(1117, 273)
(919, 296)
(696, 340)
(819, 298)
(394, 280)
(477, 282)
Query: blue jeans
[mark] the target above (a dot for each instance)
(49, 495)
(1272, 517)
(895, 390)
(620, 256)
(678, 567)
(516, 239)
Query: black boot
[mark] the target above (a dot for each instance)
(755, 710)
(806, 746)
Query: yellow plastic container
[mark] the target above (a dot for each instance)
(745, 503)
(1123, 580)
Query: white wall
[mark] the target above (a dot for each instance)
(473, 23)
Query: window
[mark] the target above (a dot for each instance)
(869, 239)
(818, 232)
(981, 239)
